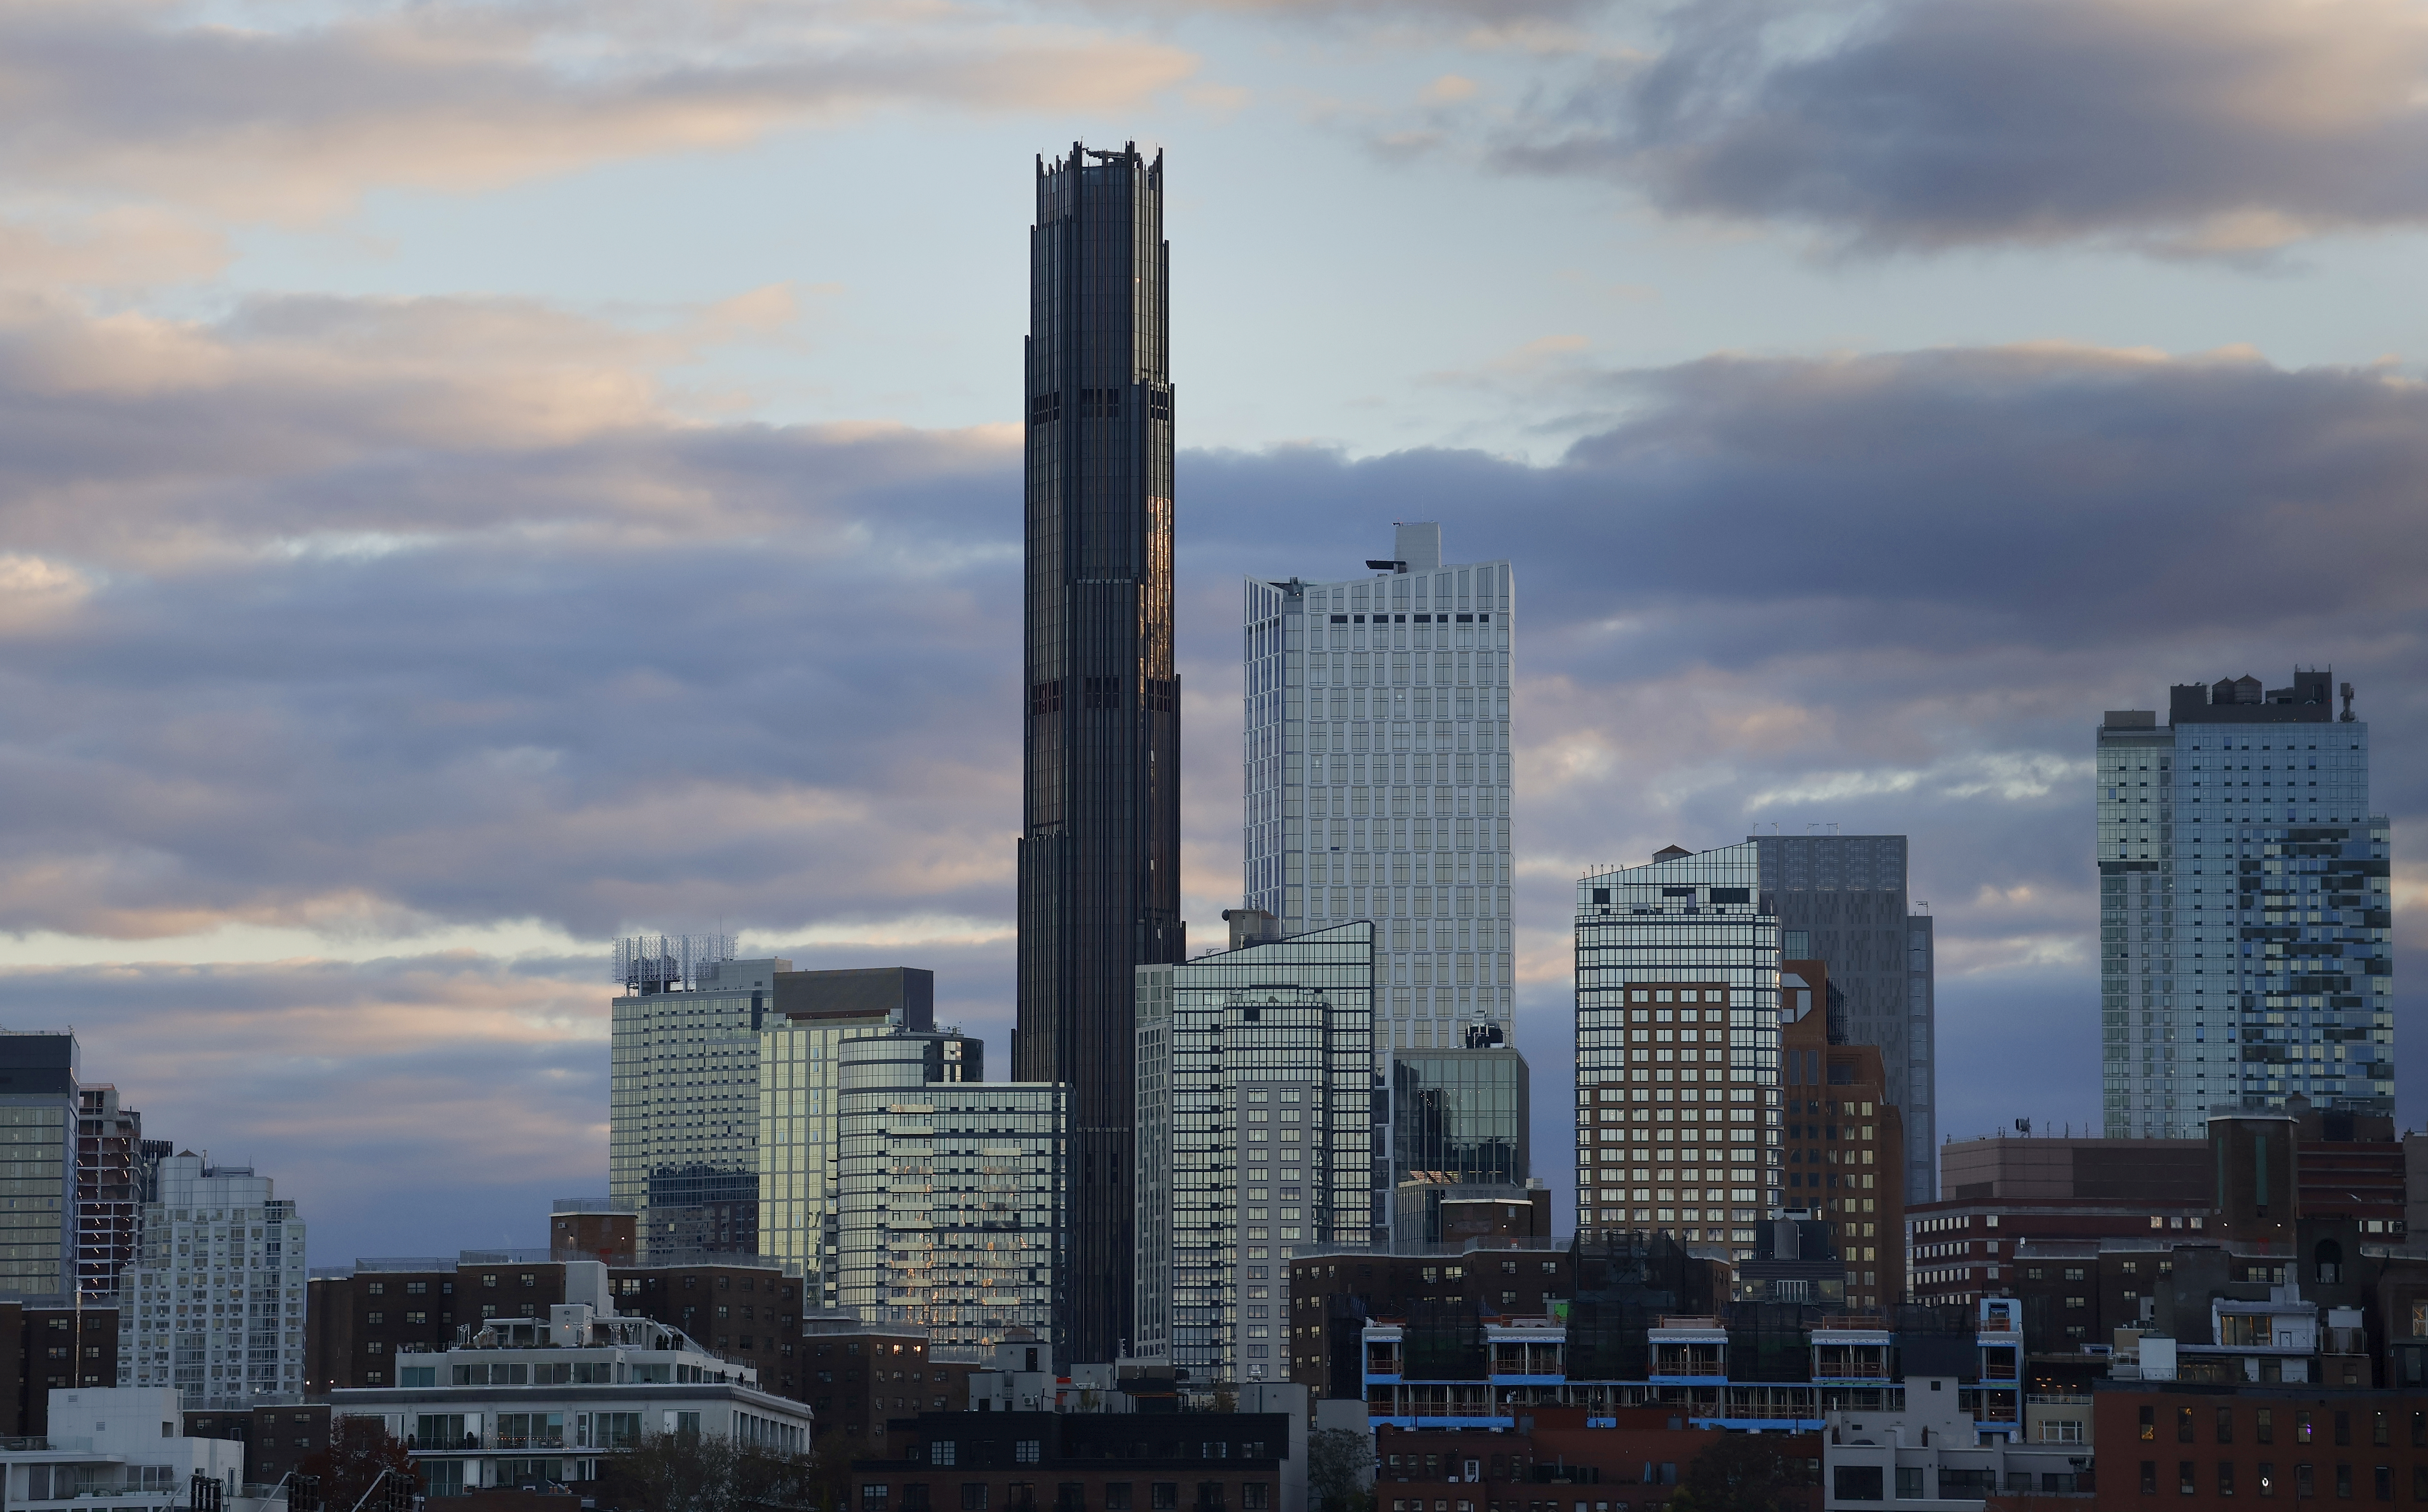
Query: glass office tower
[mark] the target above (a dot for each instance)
(1256, 1096)
(1845, 899)
(1099, 874)
(38, 1092)
(1377, 782)
(2244, 911)
(1678, 1122)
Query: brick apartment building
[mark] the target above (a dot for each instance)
(860, 1377)
(2004, 1193)
(1332, 1294)
(55, 1347)
(1080, 1462)
(276, 1439)
(1843, 1137)
(2196, 1447)
(1551, 1461)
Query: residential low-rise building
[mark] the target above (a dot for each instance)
(858, 1376)
(1557, 1458)
(542, 1401)
(277, 1438)
(2182, 1445)
(122, 1448)
(1928, 1455)
(1251, 1460)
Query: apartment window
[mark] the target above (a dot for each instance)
(1023, 1452)
(2225, 1426)
(2263, 1426)
(2226, 1477)
(2148, 1424)
(973, 1496)
(2184, 1425)
(1117, 1496)
(2267, 1478)
(2149, 1479)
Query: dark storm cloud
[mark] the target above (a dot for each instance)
(2199, 125)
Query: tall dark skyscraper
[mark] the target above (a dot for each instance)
(1100, 838)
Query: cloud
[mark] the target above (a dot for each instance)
(354, 617)
(125, 247)
(2199, 126)
(293, 124)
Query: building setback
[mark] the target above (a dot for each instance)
(1376, 780)
(1678, 1104)
(1099, 872)
(1257, 1105)
(2243, 908)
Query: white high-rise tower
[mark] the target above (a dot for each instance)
(1376, 759)
(2244, 912)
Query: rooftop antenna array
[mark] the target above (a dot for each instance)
(668, 962)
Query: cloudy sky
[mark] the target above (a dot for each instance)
(475, 479)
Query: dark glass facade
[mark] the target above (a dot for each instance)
(1100, 839)
(1459, 1116)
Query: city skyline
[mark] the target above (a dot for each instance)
(492, 510)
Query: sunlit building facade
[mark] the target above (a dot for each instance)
(952, 1196)
(800, 1081)
(1678, 1103)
